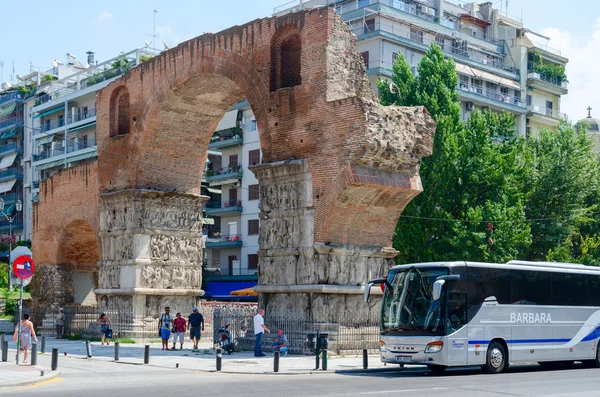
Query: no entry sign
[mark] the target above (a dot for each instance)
(23, 267)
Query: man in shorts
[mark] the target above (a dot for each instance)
(178, 331)
(195, 324)
(164, 327)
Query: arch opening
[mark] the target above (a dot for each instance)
(120, 109)
(291, 62)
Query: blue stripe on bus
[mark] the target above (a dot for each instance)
(593, 335)
(487, 342)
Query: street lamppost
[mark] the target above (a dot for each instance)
(10, 219)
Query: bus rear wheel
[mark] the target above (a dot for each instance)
(436, 369)
(495, 359)
(595, 363)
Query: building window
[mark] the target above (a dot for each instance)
(253, 192)
(252, 227)
(254, 157)
(416, 35)
(365, 57)
(528, 100)
(370, 25)
(464, 81)
(394, 57)
(233, 161)
(440, 41)
(252, 261)
(84, 140)
(253, 126)
(233, 196)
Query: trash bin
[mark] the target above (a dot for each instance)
(323, 340)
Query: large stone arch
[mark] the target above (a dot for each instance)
(337, 168)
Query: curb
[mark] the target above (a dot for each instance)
(48, 375)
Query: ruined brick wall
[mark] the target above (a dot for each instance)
(65, 232)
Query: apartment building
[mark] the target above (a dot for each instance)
(499, 63)
(60, 119)
(231, 214)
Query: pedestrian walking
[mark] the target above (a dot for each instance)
(178, 330)
(60, 323)
(259, 329)
(195, 325)
(164, 327)
(105, 331)
(27, 332)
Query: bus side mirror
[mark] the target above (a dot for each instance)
(437, 289)
(369, 285)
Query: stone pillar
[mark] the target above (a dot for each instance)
(297, 274)
(151, 251)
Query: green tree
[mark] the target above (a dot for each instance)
(563, 192)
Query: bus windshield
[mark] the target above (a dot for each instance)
(408, 303)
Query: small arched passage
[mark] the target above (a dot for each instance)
(79, 250)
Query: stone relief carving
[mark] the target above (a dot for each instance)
(175, 277)
(188, 249)
(110, 277)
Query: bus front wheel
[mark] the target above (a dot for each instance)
(436, 369)
(595, 363)
(495, 359)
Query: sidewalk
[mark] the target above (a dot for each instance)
(23, 374)
(205, 359)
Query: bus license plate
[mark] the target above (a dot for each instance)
(403, 359)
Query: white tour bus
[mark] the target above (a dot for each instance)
(466, 313)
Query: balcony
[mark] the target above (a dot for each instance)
(546, 116)
(10, 123)
(229, 241)
(224, 176)
(49, 126)
(11, 198)
(15, 95)
(226, 138)
(81, 145)
(422, 39)
(11, 148)
(10, 174)
(552, 85)
(47, 154)
(225, 207)
(36, 184)
(492, 98)
(80, 116)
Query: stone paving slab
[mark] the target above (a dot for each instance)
(23, 374)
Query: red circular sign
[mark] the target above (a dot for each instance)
(23, 267)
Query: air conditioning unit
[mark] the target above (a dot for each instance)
(430, 11)
(470, 106)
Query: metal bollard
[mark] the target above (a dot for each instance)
(54, 363)
(34, 354)
(324, 364)
(1, 341)
(219, 359)
(43, 345)
(88, 348)
(146, 354)
(365, 359)
(116, 351)
(276, 361)
(5, 351)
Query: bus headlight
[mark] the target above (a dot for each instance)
(434, 347)
(381, 346)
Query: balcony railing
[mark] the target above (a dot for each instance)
(36, 184)
(10, 96)
(228, 137)
(73, 147)
(237, 272)
(57, 93)
(548, 112)
(46, 154)
(224, 173)
(11, 147)
(224, 204)
(491, 94)
(559, 82)
(216, 241)
(10, 122)
(11, 172)
(81, 115)
(425, 38)
(51, 126)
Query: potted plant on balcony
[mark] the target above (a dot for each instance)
(210, 173)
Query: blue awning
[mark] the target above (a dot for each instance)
(49, 112)
(82, 127)
(221, 289)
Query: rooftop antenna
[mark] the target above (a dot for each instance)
(154, 33)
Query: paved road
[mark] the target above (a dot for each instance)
(81, 377)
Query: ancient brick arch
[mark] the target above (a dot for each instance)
(79, 246)
(337, 168)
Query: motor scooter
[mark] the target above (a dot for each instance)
(224, 339)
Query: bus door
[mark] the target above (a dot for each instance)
(456, 321)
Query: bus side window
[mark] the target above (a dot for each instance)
(457, 310)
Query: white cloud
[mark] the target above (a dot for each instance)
(582, 70)
(105, 16)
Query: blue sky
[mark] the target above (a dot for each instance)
(37, 31)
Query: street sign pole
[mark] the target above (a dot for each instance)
(20, 319)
